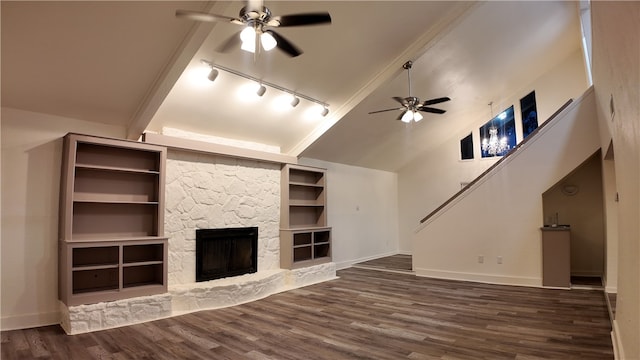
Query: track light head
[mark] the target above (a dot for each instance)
(295, 101)
(213, 74)
(325, 111)
(261, 90)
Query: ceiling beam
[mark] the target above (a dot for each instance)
(172, 71)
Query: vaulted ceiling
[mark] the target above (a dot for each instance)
(136, 65)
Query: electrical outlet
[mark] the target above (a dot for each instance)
(480, 259)
(499, 260)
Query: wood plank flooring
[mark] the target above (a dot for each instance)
(399, 262)
(365, 314)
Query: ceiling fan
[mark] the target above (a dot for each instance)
(258, 23)
(411, 105)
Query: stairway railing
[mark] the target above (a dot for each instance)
(486, 172)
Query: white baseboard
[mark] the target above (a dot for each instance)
(29, 321)
(481, 278)
(618, 350)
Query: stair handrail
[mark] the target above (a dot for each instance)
(508, 154)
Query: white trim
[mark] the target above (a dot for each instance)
(618, 350)
(15, 322)
(480, 278)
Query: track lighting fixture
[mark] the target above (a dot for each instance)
(295, 100)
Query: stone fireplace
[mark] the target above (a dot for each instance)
(205, 192)
(214, 192)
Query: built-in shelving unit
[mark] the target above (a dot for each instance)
(112, 243)
(305, 239)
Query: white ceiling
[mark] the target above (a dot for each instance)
(133, 64)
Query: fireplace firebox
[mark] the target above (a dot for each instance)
(226, 252)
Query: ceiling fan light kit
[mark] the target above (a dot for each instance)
(411, 105)
(262, 89)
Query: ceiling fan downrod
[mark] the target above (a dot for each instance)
(407, 66)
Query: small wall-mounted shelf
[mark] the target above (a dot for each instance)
(305, 239)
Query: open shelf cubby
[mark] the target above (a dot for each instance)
(112, 243)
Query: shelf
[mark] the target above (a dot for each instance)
(108, 290)
(87, 198)
(321, 250)
(113, 220)
(94, 256)
(114, 157)
(143, 253)
(115, 186)
(103, 238)
(307, 185)
(116, 169)
(95, 280)
(150, 274)
(308, 177)
(302, 239)
(94, 267)
(299, 203)
(306, 216)
(142, 263)
(302, 254)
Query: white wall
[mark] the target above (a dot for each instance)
(31, 161)
(432, 178)
(616, 74)
(362, 211)
(502, 214)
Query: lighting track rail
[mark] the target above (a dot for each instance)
(296, 95)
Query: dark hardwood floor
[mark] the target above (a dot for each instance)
(399, 262)
(365, 314)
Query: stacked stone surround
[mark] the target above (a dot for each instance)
(205, 191)
(211, 192)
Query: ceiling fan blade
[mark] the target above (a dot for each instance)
(284, 44)
(231, 43)
(431, 110)
(304, 19)
(435, 101)
(379, 111)
(401, 115)
(402, 101)
(203, 16)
